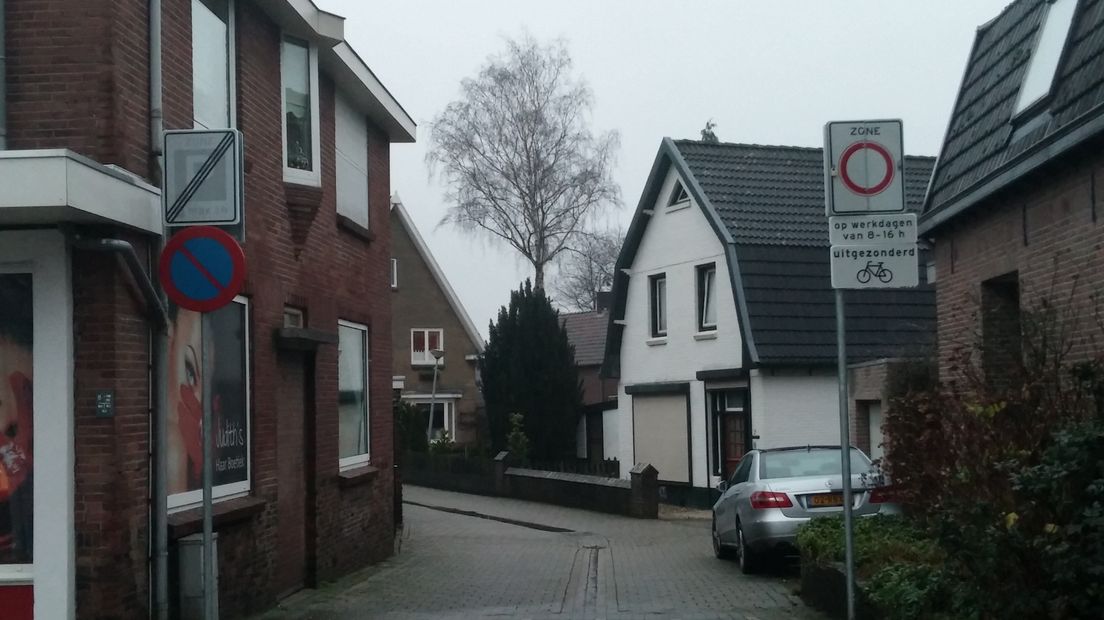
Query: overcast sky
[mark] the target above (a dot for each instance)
(767, 72)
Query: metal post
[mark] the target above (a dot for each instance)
(210, 596)
(845, 451)
(433, 401)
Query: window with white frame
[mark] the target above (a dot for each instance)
(444, 417)
(394, 273)
(351, 152)
(657, 286)
(707, 303)
(352, 394)
(423, 342)
(679, 197)
(225, 379)
(299, 92)
(1044, 60)
(212, 65)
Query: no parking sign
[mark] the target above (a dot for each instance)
(202, 268)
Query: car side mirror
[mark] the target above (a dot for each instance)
(722, 486)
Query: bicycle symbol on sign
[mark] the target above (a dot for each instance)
(874, 270)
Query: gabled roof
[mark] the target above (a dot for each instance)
(438, 275)
(766, 204)
(586, 331)
(304, 19)
(985, 149)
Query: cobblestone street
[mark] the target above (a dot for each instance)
(466, 556)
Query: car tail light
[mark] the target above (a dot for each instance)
(769, 499)
(881, 495)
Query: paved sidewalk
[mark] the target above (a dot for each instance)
(468, 556)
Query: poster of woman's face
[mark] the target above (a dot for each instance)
(16, 419)
(225, 372)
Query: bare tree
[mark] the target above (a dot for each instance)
(587, 269)
(517, 155)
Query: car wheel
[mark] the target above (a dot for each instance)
(749, 562)
(719, 550)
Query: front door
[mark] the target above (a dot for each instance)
(728, 430)
(732, 434)
(291, 447)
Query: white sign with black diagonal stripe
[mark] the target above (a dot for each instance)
(203, 177)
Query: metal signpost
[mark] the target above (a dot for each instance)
(202, 269)
(873, 246)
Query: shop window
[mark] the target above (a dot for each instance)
(423, 342)
(299, 78)
(1000, 328)
(352, 388)
(226, 379)
(212, 69)
(351, 157)
(16, 415)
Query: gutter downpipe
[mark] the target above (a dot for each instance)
(3, 80)
(158, 314)
(159, 438)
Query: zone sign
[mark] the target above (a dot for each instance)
(864, 167)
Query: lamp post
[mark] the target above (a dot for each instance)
(437, 355)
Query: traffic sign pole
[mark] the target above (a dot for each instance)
(210, 593)
(845, 449)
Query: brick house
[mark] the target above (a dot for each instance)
(427, 316)
(586, 331)
(301, 360)
(1013, 207)
(722, 331)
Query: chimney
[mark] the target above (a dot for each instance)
(602, 300)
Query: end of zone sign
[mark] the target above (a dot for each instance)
(864, 167)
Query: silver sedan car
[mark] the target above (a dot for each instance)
(773, 492)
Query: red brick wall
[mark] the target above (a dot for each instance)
(595, 389)
(111, 344)
(78, 80)
(865, 382)
(1044, 230)
(420, 302)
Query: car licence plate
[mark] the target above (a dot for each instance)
(826, 499)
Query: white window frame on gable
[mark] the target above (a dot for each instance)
(706, 276)
(424, 357)
(679, 198)
(360, 453)
(1050, 43)
(297, 174)
(214, 75)
(351, 158)
(657, 305)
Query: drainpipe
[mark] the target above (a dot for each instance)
(159, 316)
(3, 81)
(159, 518)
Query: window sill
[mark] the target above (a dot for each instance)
(656, 342)
(678, 206)
(229, 512)
(356, 476)
(710, 335)
(355, 229)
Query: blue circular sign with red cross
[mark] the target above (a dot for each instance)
(202, 268)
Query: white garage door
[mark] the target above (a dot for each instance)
(660, 435)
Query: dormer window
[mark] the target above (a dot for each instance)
(1049, 43)
(679, 197)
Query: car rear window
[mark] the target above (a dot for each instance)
(812, 462)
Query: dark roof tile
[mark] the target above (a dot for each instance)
(586, 331)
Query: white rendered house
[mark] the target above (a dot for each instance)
(722, 327)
